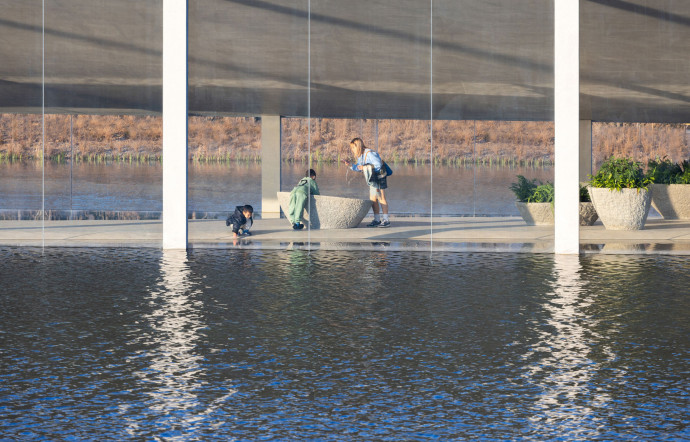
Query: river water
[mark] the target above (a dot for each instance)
(141, 344)
(219, 187)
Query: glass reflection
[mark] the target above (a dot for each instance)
(559, 361)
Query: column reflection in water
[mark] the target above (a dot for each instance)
(172, 337)
(559, 362)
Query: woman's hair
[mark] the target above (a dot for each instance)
(359, 145)
(311, 173)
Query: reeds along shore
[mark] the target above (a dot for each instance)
(128, 138)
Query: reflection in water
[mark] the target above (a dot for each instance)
(175, 367)
(139, 344)
(560, 363)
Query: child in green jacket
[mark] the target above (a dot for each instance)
(299, 197)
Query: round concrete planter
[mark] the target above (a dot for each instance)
(330, 212)
(624, 210)
(539, 214)
(588, 215)
(672, 201)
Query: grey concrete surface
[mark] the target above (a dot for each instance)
(509, 234)
(491, 59)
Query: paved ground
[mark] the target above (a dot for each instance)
(460, 234)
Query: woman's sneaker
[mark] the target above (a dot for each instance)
(374, 223)
(385, 223)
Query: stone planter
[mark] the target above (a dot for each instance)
(588, 215)
(672, 201)
(624, 210)
(330, 212)
(539, 214)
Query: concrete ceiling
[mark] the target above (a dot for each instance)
(492, 59)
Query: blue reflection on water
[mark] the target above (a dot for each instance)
(282, 345)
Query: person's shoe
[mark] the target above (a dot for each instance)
(385, 223)
(247, 233)
(374, 223)
(298, 226)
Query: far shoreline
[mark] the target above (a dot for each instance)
(137, 139)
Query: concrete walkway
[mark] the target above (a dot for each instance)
(508, 234)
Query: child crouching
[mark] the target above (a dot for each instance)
(241, 220)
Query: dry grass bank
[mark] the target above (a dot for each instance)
(455, 142)
(640, 141)
(137, 138)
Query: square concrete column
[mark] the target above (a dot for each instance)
(270, 165)
(585, 150)
(174, 124)
(567, 124)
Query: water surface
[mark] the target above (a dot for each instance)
(219, 187)
(285, 345)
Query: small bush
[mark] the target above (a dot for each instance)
(524, 188)
(532, 191)
(664, 171)
(620, 173)
(684, 178)
(542, 194)
(584, 195)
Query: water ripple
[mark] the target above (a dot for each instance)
(284, 345)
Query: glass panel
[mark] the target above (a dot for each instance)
(103, 144)
(295, 152)
(504, 150)
(454, 171)
(21, 148)
(21, 168)
(103, 167)
(225, 165)
(116, 167)
(406, 143)
(248, 61)
(372, 60)
(493, 112)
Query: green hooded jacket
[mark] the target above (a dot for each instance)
(298, 198)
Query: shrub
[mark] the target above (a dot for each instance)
(532, 191)
(684, 178)
(542, 194)
(524, 188)
(620, 173)
(664, 171)
(584, 195)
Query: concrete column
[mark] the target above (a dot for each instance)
(270, 165)
(174, 124)
(585, 150)
(567, 124)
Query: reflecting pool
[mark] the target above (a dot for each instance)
(288, 345)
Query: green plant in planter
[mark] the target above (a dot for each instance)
(544, 193)
(584, 195)
(524, 188)
(664, 171)
(532, 191)
(620, 173)
(685, 177)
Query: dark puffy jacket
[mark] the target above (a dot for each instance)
(237, 219)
